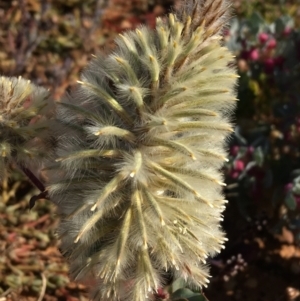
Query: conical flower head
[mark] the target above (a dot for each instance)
(139, 188)
(22, 126)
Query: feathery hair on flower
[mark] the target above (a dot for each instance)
(24, 109)
(138, 184)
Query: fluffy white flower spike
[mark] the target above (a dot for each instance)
(138, 183)
(24, 109)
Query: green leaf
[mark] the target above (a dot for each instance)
(279, 26)
(197, 297)
(258, 156)
(290, 201)
(255, 22)
(182, 293)
(176, 285)
(185, 294)
(283, 22)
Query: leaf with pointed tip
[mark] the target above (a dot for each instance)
(187, 295)
(176, 285)
(183, 293)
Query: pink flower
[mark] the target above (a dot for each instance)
(269, 65)
(287, 31)
(271, 44)
(254, 54)
(239, 165)
(263, 37)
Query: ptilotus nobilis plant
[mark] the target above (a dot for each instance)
(24, 113)
(142, 140)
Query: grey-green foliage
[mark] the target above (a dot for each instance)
(24, 113)
(142, 139)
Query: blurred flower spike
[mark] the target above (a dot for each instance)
(24, 110)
